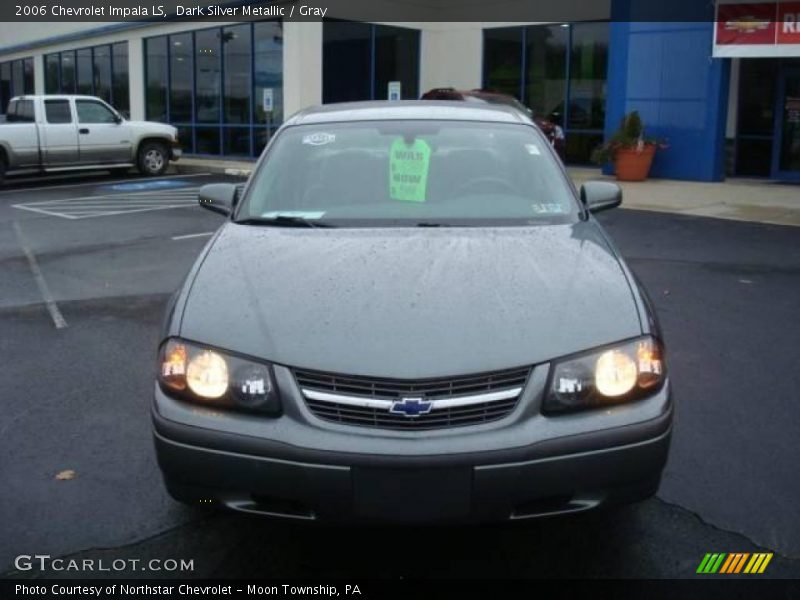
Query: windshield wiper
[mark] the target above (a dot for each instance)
(283, 221)
(431, 224)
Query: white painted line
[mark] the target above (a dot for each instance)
(192, 235)
(52, 307)
(42, 211)
(114, 182)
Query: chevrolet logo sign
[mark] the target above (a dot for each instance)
(746, 25)
(411, 407)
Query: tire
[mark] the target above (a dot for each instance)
(2, 170)
(152, 159)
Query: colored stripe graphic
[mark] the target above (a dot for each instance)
(734, 563)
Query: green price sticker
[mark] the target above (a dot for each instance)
(408, 170)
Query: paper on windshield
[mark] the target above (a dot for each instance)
(408, 170)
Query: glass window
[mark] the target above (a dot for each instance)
(236, 140)
(346, 61)
(119, 77)
(102, 72)
(180, 88)
(57, 111)
(236, 50)
(753, 157)
(502, 60)
(25, 111)
(407, 172)
(84, 66)
(396, 59)
(207, 140)
(5, 84)
(21, 111)
(186, 138)
(93, 112)
(52, 77)
(268, 72)
(261, 137)
(757, 80)
(546, 64)
(17, 78)
(156, 63)
(587, 76)
(67, 72)
(208, 80)
(27, 75)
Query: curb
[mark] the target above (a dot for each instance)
(215, 168)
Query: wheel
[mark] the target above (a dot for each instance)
(153, 159)
(2, 170)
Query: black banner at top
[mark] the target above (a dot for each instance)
(357, 10)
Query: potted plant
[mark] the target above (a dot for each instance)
(628, 150)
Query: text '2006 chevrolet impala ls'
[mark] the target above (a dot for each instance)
(411, 315)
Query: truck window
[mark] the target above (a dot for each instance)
(93, 112)
(25, 111)
(20, 111)
(57, 111)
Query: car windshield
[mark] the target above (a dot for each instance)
(408, 173)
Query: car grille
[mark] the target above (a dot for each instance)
(454, 401)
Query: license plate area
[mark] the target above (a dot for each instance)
(413, 495)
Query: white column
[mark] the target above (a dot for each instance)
(452, 56)
(38, 74)
(302, 66)
(136, 82)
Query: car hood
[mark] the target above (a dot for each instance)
(410, 303)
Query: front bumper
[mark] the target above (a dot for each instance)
(524, 466)
(175, 151)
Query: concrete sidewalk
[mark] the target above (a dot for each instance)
(760, 201)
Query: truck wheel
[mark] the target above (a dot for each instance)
(2, 170)
(153, 159)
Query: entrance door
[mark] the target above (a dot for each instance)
(786, 149)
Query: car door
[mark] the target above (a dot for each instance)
(102, 136)
(59, 134)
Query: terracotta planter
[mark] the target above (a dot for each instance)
(632, 165)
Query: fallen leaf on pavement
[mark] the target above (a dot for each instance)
(64, 475)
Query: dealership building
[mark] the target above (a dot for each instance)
(723, 90)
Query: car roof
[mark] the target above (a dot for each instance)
(384, 110)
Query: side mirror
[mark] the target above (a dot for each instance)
(218, 197)
(600, 195)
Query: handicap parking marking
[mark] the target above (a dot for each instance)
(113, 204)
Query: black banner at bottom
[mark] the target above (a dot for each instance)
(373, 589)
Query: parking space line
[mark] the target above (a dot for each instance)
(113, 204)
(113, 182)
(47, 296)
(192, 235)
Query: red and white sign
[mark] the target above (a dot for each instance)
(757, 29)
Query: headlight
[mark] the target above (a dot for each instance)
(608, 376)
(214, 378)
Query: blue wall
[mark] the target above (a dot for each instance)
(665, 71)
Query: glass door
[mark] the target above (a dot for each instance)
(786, 151)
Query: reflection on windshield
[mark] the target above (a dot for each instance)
(410, 173)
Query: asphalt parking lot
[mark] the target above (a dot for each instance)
(86, 267)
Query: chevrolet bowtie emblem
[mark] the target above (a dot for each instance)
(411, 407)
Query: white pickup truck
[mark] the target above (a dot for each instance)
(59, 133)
